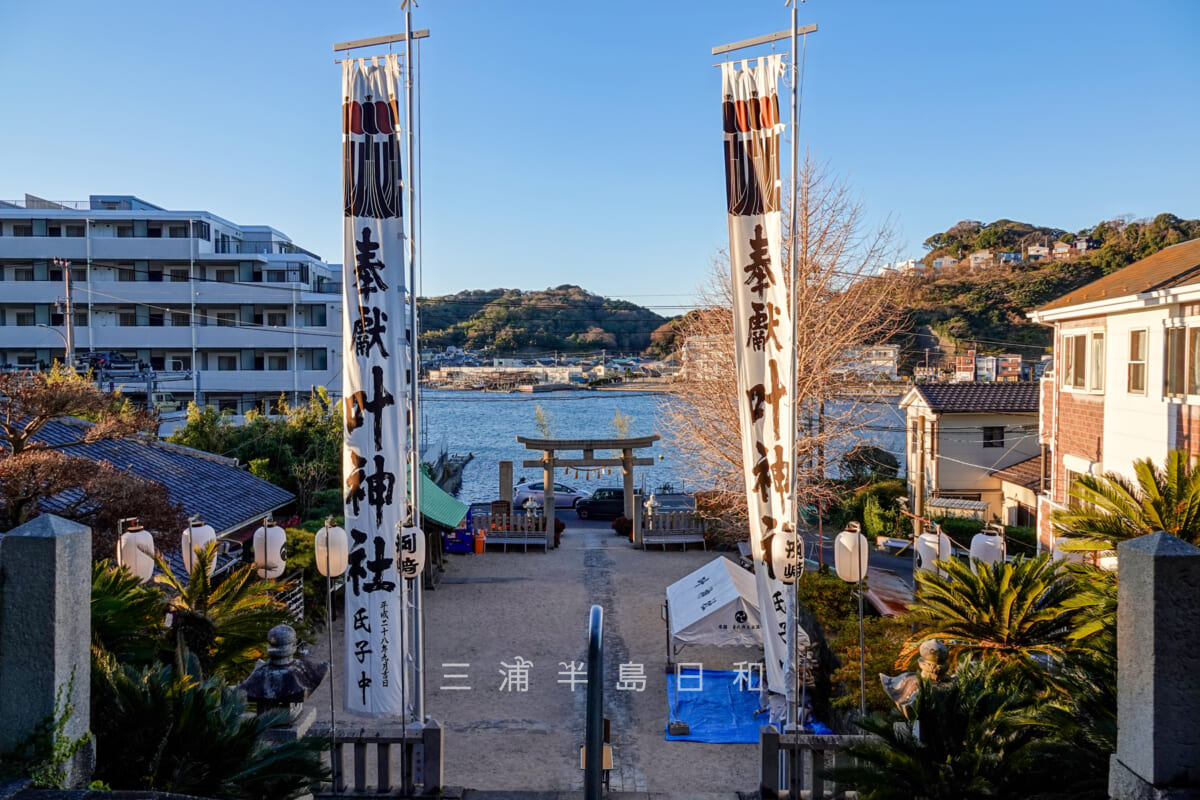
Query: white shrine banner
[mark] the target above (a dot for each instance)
(762, 339)
(373, 385)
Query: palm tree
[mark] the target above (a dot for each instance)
(127, 617)
(975, 740)
(225, 624)
(1114, 509)
(1016, 611)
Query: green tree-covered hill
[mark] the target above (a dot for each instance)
(987, 306)
(565, 318)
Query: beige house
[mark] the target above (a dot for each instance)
(959, 435)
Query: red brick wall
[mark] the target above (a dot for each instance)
(1080, 433)
(1187, 428)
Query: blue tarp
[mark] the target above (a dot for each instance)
(721, 712)
(718, 708)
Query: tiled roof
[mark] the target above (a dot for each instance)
(979, 398)
(1172, 266)
(1027, 473)
(222, 493)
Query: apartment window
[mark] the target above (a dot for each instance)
(179, 275)
(23, 274)
(154, 232)
(179, 319)
(24, 319)
(79, 275)
(993, 436)
(177, 231)
(22, 230)
(126, 274)
(156, 319)
(81, 319)
(224, 276)
(179, 362)
(201, 230)
(76, 231)
(226, 319)
(277, 363)
(275, 276)
(124, 231)
(155, 276)
(227, 405)
(278, 319)
(227, 363)
(319, 359)
(54, 230)
(1176, 361)
(127, 318)
(316, 316)
(1096, 362)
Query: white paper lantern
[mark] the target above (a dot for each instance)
(850, 554)
(196, 537)
(135, 550)
(1066, 555)
(332, 551)
(270, 550)
(410, 552)
(987, 547)
(932, 546)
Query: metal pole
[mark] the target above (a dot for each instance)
(862, 662)
(334, 761)
(795, 510)
(69, 316)
(418, 627)
(593, 762)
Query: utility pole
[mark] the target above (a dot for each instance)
(68, 311)
(918, 502)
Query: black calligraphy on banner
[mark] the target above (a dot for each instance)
(368, 268)
(359, 404)
(758, 272)
(369, 330)
(770, 475)
(376, 488)
(759, 396)
(762, 323)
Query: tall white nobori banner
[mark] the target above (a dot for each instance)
(762, 339)
(373, 384)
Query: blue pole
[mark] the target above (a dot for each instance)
(593, 766)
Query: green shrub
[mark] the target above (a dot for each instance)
(876, 521)
(960, 529)
(1024, 539)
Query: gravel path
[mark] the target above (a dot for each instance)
(494, 608)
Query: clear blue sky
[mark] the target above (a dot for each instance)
(570, 142)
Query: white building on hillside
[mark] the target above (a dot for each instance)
(239, 311)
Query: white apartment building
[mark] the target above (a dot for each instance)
(237, 313)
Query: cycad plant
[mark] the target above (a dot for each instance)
(223, 624)
(1014, 611)
(968, 739)
(167, 728)
(1114, 509)
(127, 616)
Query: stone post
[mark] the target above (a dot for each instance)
(627, 482)
(506, 481)
(548, 497)
(45, 632)
(1158, 659)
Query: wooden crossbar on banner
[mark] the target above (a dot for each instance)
(376, 40)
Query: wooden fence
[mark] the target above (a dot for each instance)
(514, 529)
(672, 527)
(384, 761)
(792, 764)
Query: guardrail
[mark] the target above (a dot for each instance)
(374, 753)
(793, 764)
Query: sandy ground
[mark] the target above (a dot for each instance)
(493, 608)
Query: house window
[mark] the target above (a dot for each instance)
(1075, 361)
(227, 363)
(1193, 386)
(993, 436)
(1096, 357)
(1176, 361)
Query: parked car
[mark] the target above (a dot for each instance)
(108, 361)
(564, 496)
(603, 504)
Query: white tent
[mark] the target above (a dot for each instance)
(715, 605)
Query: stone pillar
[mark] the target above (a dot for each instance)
(46, 631)
(1158, 659)
(627, 473)
(637, 520)
(506, 481)
(548, 495)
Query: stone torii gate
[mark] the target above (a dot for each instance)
(549, 462)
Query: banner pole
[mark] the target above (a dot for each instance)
(793, 712)
(418, 627)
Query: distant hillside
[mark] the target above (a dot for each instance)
(566, 318)
(987, 306)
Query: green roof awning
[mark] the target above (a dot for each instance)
(439, 507)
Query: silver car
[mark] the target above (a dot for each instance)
(564, 496)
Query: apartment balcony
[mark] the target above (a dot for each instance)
(43, 247)
(264, 381)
